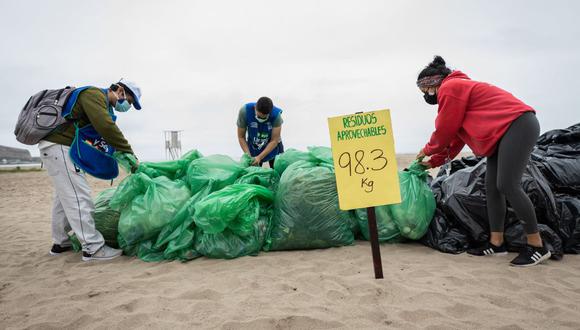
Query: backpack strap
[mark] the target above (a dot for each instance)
(68, 105)
(76, 137)
(71, 101)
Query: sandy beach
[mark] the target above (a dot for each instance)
(320, 289)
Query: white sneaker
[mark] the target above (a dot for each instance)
(104, 253)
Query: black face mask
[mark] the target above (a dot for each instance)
(431, 99)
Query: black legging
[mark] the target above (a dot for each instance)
(504, 174)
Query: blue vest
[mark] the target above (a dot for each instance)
(89, 151)
(260, 134)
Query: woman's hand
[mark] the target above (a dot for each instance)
(420, 155)
(426, 164)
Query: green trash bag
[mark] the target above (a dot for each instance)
(235, 207)
(129, 188)
(76, 245)
(265, 177)
(414, 214)
(313, 155)
(306, 212)
(290, 156)
(173, 169)
(147, 252)
(126, 161)
(106, 220)
(147, 205)
(229, 245)
(176, 239)
(216, 171)
(322, 154)
(233, 222)
(386, 227)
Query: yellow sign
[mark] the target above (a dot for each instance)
(364, 160)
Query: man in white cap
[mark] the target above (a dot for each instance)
(73, 206)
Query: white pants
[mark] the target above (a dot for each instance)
(73, 206)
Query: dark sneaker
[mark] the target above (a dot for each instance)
(56, 249)
(488, 249)
(531, 256)
(104, 253)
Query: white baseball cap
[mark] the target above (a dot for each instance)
(134, 90)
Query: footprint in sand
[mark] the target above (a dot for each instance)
(423, 314)
(290, 322)
(205, 294)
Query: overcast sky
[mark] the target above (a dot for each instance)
(198, 61)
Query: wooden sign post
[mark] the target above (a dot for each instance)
(365, 167)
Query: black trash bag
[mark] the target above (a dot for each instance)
(538, 189)
(561, 136)
(569, 213)
(462, 209)
(436, 188)
(458, 164)
(557, 155)
(445, 236)
(448, 169)
(561, 166)
(459, 189)
(462, 199)
(570, 150)
(515, 239)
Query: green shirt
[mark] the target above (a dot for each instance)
(242, 122)
(91, 108)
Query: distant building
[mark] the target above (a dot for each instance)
(9, 155)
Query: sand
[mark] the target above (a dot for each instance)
(320, 289)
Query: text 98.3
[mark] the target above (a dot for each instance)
(358, 164)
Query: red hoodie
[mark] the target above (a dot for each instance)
(470, 112)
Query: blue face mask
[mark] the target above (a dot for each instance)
(122, 105)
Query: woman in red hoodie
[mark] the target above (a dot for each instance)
(494, 124)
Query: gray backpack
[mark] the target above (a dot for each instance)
(41, 115)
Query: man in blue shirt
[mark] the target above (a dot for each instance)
(259, 131)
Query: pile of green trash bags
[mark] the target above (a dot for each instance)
(218, 207)
(196, 206)
(411, 218)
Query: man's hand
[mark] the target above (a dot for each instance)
(135, 166)
(420, 155)
(257, 161)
